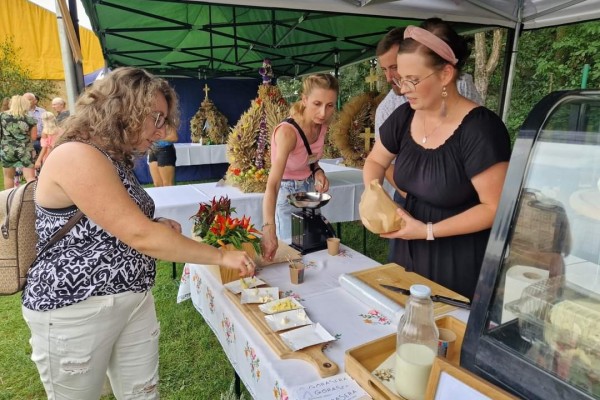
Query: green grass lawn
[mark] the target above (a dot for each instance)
(192, 362)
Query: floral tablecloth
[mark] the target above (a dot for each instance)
(266, 376)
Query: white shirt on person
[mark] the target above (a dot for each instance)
(37, 113)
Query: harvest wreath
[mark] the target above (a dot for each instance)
(248, 145)
(208, 125)
(348, 131)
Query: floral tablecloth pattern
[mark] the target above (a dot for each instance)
(264, 374)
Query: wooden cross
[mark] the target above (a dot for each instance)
(206, 90)
(368, 136)
(371, 79)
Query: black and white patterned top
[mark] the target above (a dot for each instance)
(87, 261)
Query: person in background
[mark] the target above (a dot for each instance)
(293, 170)
(162, 158)
(16, 148)
(5, 104)
(387, 52)
(59, 107)
(35, 112)
(451, 157)
(50, 134)
(88, 299)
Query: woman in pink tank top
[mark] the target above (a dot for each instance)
(292, 168)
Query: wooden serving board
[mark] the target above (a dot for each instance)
(395, 275)
(312, 354)
(284, 252)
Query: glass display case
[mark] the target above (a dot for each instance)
(535, 324)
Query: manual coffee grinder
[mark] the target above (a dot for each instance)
(310, 229)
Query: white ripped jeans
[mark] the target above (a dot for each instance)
(75, 347)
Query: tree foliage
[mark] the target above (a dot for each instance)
(552, 59)
(14, 78)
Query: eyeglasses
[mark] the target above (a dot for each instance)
(410, 85)
(159, 119)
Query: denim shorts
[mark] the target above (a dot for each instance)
(284, 210)
(165, 156)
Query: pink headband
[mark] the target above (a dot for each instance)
(431, 41)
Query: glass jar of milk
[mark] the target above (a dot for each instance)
(416, 345)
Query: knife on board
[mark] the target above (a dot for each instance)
(435, 297)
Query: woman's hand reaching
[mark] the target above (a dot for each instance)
(269, 243)
(321, 182)
(239, 260)
(413, 229)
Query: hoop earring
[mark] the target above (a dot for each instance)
(444, 110)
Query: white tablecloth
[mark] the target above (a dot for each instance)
(181, 202)
(264, 374)
(197, 154)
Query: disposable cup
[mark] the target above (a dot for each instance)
(333, 246)
(446, 341)
(296, 272)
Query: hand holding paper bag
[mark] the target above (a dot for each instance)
(378, 211)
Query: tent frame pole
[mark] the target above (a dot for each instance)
(514, 50)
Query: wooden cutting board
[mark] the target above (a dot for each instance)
(395, 275)
(312, 354)
(284, 252)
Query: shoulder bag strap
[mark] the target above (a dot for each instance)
(304, 140)
(61, 233)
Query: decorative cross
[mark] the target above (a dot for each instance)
(368, 136)
(206, 90)
(371, 79)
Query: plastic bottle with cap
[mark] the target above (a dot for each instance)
(416, 345)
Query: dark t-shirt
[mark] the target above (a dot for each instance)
(438, 186)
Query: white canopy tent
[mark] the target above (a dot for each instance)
(506, 13)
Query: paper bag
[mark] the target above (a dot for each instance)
(378, 211)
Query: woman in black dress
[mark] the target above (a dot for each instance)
(451, 159)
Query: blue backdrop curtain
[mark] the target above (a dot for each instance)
(231, 96)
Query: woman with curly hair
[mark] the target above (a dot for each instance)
(88, 299)
(293, 169)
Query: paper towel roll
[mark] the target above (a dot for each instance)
(518, 277)
(371, 297)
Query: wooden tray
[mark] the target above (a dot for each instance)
(395, 275)
(361, 361)
(312, 354)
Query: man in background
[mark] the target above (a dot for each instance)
(35, 112)
(59, 106)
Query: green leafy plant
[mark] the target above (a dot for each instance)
(15, 78)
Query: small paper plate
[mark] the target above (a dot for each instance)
(260, 295)
(236, 286)
(277, 306)
(288, 319)
(297, 339)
